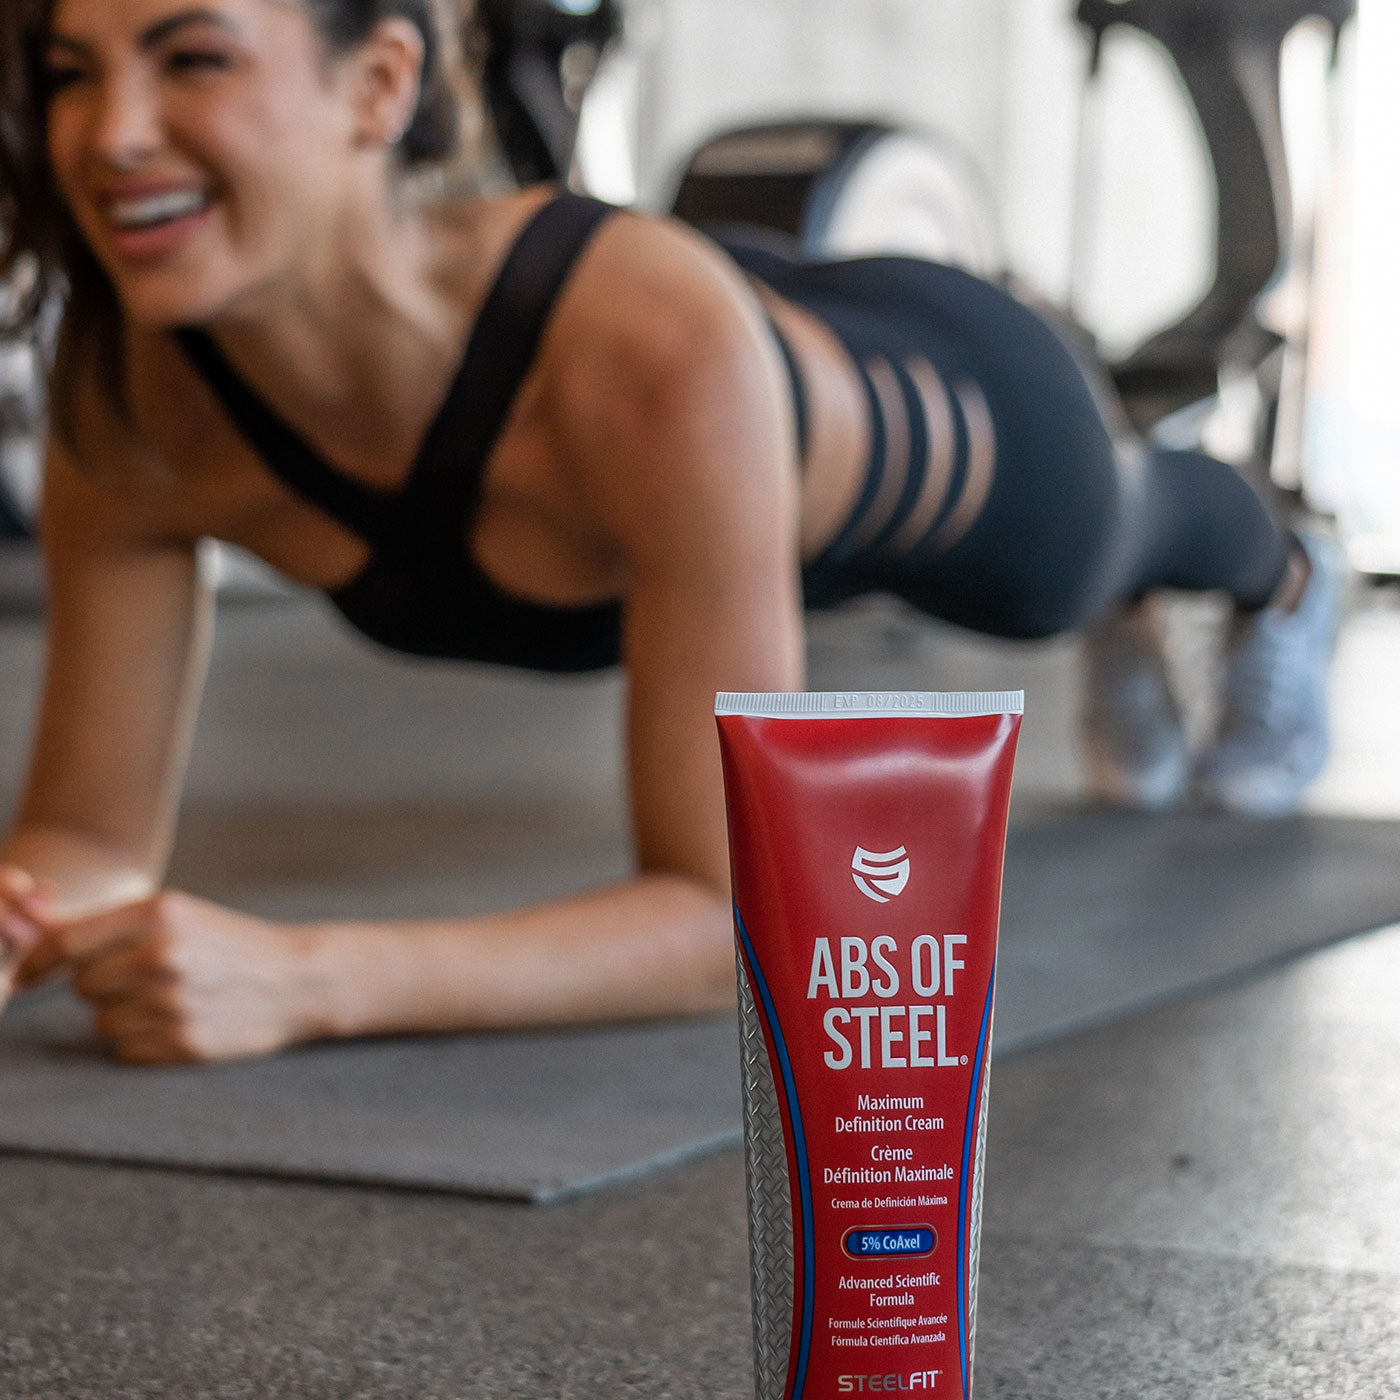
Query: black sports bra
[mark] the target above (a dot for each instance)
(422, 591)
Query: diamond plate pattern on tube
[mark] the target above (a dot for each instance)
(770, 1205)
(974, 1224)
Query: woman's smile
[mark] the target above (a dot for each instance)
(146, 223)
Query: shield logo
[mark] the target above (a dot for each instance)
(880, 875)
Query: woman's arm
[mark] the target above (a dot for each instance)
(126, 644)
(674, 409)
(669, 406)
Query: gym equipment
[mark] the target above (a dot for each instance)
(844, 189)
(1228, 53)
(540, 57)
(19, 412)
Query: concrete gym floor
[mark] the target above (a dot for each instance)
(1201, 1200)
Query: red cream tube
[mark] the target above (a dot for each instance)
(866, 835)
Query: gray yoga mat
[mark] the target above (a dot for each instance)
(1104, 912)
(526, 1117)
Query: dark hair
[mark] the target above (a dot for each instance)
(42, 254)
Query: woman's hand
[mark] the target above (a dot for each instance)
(177, 980)
(25, 907)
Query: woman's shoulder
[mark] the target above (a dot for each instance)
(658, 353)
(137, 422)
(641, 279)
(107, 473)
(653, 318)
(157, 407)
(657, 285)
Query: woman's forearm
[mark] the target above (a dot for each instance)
(84, 874)
(656, 945)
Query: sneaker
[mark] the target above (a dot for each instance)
(1131, 736)
(1274, 733)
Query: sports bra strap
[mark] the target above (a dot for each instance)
(363, 509)
(443, 490)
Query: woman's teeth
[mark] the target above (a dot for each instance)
(156, 208)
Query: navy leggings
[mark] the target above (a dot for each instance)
(1072, 522)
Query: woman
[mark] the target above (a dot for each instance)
(263, 343)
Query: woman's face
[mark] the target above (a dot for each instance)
(205, 148)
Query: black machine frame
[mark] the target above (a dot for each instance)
(1228, 53)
